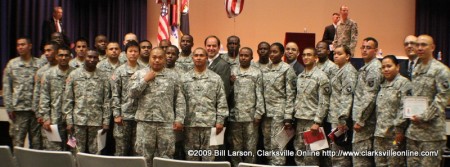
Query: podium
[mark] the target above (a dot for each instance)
(303, 40)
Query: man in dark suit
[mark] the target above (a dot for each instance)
(291, 53)
(216, 63)
(54, 25)
(406, 67)
(330, 31)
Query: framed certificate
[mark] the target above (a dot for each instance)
(414, 105)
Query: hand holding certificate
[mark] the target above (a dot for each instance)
(414, 105)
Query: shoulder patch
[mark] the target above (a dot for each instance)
(445, 84)
(370, 83)
(327, 90)
(349, 89)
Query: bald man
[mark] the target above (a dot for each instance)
(426, 131)
(407, 67)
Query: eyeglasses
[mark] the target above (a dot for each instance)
(410, 43)
(366, 47)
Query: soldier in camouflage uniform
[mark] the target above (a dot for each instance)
(172, 56)
(390, 108)
(346, 31)
(279, 95)
(363, 115)
(185, 56)
(341, 98)
(81, 51)
(18, 83)
(145, 46)
(127, 38)
(50, 50)
(325, 64)
(206, 105)
(161, 108)
(51, 99)
(233, 45)
(112, 62)
(430, 79)
(122, 106)
(263, 53)
(100, 45)
(87, 101)
(311, 103)
(248, 109)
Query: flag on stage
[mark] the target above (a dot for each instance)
(174, 36)
(234, 7)
(184, 26)
(163, 25)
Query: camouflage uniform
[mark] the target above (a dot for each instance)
(123, 57)
(179, 68)
(107, 67)
(279, 95)
(311, 106)
(206, 106)
(366, 89)
(389, 108)
(102, 57)
(329, 68)
(87, 100)
(186, 61)
(75, 63)
(160, 104)
(346, 34)
(342, 87)
(53, 84)
(125, 107)
(142, 63)
(36, 93)
(431, 80)
(233, 62)
(248, 105)
(18, 83)
(260, 66)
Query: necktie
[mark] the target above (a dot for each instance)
(57, 26)
(410, 69)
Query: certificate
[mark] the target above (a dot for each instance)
(414, 105)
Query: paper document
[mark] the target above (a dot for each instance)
(414, 105)
(319, 142)
(4, 116)
(284, 136)
(101, 140)
(54, 134)
(215, 140)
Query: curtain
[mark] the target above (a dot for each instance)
(432, 18)
(81, 18)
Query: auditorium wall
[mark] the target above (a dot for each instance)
(268, 20)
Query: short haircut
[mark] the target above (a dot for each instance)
(54, 45)
(200, 48)
(177, 51)
(81, 39)
(158, 48)
(188, 35)
(64, 47)
(234, 36)
(111, 42)
(247, 48)
(56, 8)
(335, 14)
(263, 42)
(25, 38)
(213, 36)
(313, 49)
(372, 39)
(392, 57)
(279, 45)
(132, 43)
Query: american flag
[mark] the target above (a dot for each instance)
(163, 25)
(234, 7)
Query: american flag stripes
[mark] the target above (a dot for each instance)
(163, 25)
(234, 7)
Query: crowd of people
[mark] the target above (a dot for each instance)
(161, 102)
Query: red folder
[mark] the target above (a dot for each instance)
(310, 138)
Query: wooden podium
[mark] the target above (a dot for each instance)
(303, 40)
